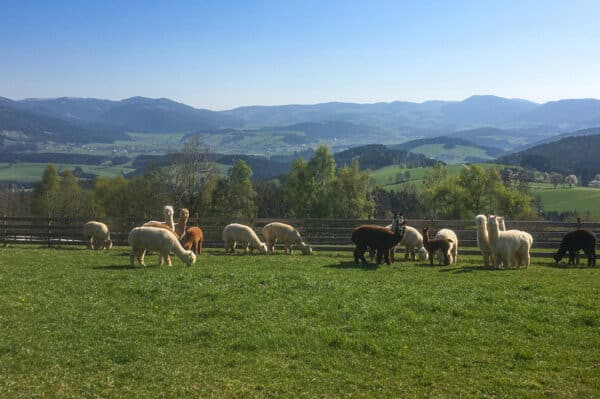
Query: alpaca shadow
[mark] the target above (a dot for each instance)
(564, 265)
(116, 267)
(469, 269)
(352, 265)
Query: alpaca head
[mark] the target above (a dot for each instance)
(305, 248)
(168, 211)
(557, 257)
(189, 258)
(108, 244)
(184, 214)
(423, 254)
(263, 248)
(480, 220)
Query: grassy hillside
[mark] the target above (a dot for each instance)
(32, 172)
(454, 155)
(580, 199)
(84, 324)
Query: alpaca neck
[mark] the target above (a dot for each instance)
(482, 236)
(170, 221)
(493, 233)
(182, 224)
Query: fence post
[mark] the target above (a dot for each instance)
(49, 231)
(4, 228)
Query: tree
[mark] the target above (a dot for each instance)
(349, 196)
(555, 179)
(45, 193)
(187, 170)
(571, 180)
(241, 192)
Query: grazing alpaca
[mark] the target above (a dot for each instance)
(181, 225)
(508, 247)
(573, 242)
(413, 244)
(238, 233)
(483, 239)
(379, 238)
(167, 224)
(156, 239)
(192, 239)
(287, 234)
(442, 244)
(96, 235)
(450, 235)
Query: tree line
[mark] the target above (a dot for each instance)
(313, 188)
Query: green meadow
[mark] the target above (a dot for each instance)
(78, 323)
(560, 199)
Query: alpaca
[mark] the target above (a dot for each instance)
(573, 242)
(96, 235)
(181, 225)
(376, 237)
(413, 244)
(508, 247)
(287, 234)
(450, 235)
(483, 239)
(157, 239)
(441, 244)
(170, 225)
(238, 233)
(192, 239)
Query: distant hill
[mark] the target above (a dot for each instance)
(139, 114)
(582, 132)
(450, 149)
(577, 113)
(570, 155)
(42, 128)
(377, 156)
(485, 110)
(68, 108)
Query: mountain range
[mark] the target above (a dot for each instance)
(489, 121)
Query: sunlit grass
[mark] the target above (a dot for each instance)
(84, 324)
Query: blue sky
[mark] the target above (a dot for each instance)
(220, 54)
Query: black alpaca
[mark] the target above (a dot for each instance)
(573, 242)
(381, 239)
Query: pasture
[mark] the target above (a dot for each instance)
(78, 323)
(560, 199)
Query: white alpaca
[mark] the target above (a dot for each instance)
(286, 234)
(508, 247)
(521, 258)
(483, 239)
(96, 235)
(450, 235)
(157, 239)
(235, 233)
(413, 243)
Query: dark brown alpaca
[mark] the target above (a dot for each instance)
(435, 244)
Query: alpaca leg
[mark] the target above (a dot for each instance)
(168, 258)
(199, 247)
(386, 256)
(132, 258)
(454, 253)
(140, 255)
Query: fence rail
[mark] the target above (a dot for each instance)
(329, 234)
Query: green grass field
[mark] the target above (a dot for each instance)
(32, 172)
(580, 199)
(84, 324)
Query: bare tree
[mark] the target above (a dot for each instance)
(188, 169)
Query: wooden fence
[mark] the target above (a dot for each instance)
(322, 234)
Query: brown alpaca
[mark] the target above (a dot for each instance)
(181, 225)
(432, 245)
(192, 239)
